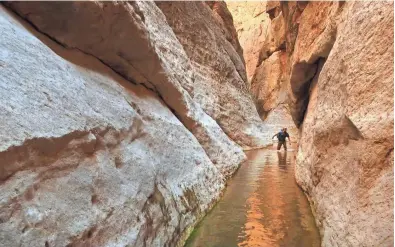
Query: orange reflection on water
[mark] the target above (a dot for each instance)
(266, 207)
(262, 207)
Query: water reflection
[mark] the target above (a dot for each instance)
(262, 206)
(282, 160)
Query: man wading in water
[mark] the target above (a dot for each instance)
(281, 138)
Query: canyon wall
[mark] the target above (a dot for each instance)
(251, 22)
(121, 120)
(182, 51)
(345, 160)
(335, 63)
(261, 30)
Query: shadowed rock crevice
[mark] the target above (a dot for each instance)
(306, 69)
(303, 77)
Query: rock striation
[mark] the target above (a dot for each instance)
(193, 66)
(220, 84)
(89, 159)
(121, 120)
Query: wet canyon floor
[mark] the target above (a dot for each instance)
(262, 207)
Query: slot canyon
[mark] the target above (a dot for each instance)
(152, 123)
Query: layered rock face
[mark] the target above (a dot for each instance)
(270, 90)
(345, 162)
(115, 132)
(340, 78)
(190, 62)
(261, 30)
(89, 159)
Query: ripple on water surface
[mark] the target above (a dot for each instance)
(262, 206)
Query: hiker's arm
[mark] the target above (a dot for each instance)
(289, 139)
(274, 136)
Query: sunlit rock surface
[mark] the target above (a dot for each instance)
(252, 25)
(270, 91)
(261, 30)
(122, 120)
(220, 85)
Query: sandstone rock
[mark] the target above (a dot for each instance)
(252, 23)
(291, 12)
(268, 87)
(261, 30)
(337, 68)
(220, 86)
(273, 8)
(88, 158)
(134, 40)
(270, 92)
(345, 159)
(316, 35)
(190, 73)
(225, 19)
(275, 38)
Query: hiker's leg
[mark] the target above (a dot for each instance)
(285, 146)
(278, 145)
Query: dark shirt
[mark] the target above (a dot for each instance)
(281, 136)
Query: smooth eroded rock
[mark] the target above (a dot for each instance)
(134, 39)
(88, 158)
(220, 86)
(345, 159)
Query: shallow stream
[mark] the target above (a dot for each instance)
(262, 206)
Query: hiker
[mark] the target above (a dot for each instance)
(281, 139)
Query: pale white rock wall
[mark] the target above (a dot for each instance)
(89, 159)
(219, 84)
(134, 39)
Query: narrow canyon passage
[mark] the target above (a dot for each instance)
(150, 123)
(262, 206)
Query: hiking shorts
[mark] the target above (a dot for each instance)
(281, 144)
